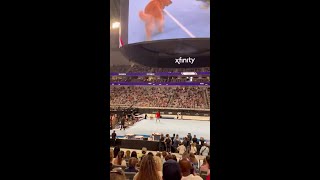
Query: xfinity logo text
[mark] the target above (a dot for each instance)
(185, 60)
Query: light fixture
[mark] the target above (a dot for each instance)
(115, 25)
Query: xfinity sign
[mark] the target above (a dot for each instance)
(185, 60)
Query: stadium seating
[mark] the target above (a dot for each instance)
(168, 96)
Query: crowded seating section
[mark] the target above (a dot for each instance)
(166, 96)
(183, 162)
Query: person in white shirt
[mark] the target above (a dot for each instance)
(181, 149)
(204, 151)
(186, 168)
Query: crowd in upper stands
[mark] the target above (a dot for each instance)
(179, 163)
(140, 68)
(167, 96)
(158, 79)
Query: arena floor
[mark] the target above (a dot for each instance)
(168, 126)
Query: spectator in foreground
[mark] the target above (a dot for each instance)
(159, 164)
(169, 156)
(171, 170)
(143, 152)
(208, 161)
(119, 160)
(205, 165)
(117, 174)
(148, 170)
(159, 155)
(116, 151)
(164, 155)
(186, 168)
(134, 154)
(132, 165)
(185, 156)
(174, 157)
(127, 156)
(194, 161)
(111, 159)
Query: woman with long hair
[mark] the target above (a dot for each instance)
(119, 160)
(148, 169)
(185, 155)
(193, 148)
(116, 150)
(159, 164)
(158, 154)
(134, 154)
(127, 157)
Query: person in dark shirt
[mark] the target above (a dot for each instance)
(185, 142)
(114, 135)
(195, 140)
(116, 150)
(176, 143)
(189, 136)
(171, 170)
(122, 123)
(201, 141)
(168, 143)
(161, 143)
(172, 138)
(134, 154)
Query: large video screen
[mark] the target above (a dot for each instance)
(150, 20)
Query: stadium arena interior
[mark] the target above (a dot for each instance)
(159, 113)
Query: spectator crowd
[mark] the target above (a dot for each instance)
(168, 96)
(178, 163)
(158, 79)
(140, 68)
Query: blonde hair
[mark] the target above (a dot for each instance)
(148, 169)
(158, 162)
(127, 154)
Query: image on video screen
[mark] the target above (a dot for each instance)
(150, 20)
